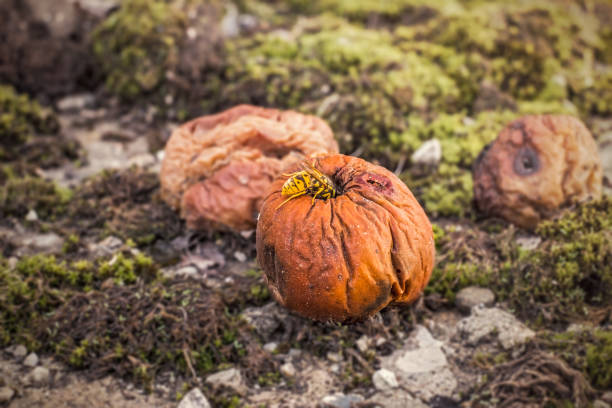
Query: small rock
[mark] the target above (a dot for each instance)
(31, 360)
(265, 320)
(194, 399)
(270, 347)
(335, 368)
(607, 396)
(340, 400)
(528, 242)
(38, 376)
(600, 404)
(6, 394)
(187, 271)
(107, 246)
(472, 296)
(142, 160)
(395, 398)
(12, 262)
(421, 366)
(363, 343)
(19, 351)
(334, 357)
(486, 322)
(428, 155)
(35, 243)
(75, 103)
(31, 216)
(384, 379)
(288, 370)
(230, 378)
(240, 256)
(247, 234)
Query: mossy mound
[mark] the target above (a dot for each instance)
(21, 119)
(137, 44)
(569, 275)
(19, 195)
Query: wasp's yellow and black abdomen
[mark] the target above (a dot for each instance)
(309, 181)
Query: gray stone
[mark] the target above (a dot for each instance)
(247, 234)
(428, 155)
(363, 343)
(265, 320)
(75, 103)
(486, 322)
(270, 347)
(421, 366)
(107, 246)
(38, 376)
(528, 242)
(230, 378)
(18, 351)
(334, 357)
(6, 394)
(396, 398)
(607, 396)
(31, 216)
(384, 379)
(340, 400)
(288, 370)
(600, 404)
(472, 296)
(36, 243)
(194, 399)
(240, 256)
(31, 360)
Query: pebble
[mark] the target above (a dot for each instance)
(265, 320)
(288, 370)
(334, 357)
(107, 246)
(74, 103)
(607, 396)
(340, 400)
(194, 399)
(230, 378)
(600, 404)
(31, 216)
(528, 243)
(270, 347)
(49, 242)
(472, 296)
(31, 360)
(247, 234)
(429, 154)
(240, 256)
(384, 379)
(363, 343)
(38, 376)
(19, 351)
(396, 398)
(489, 321)
(421, 366)
(6, 394)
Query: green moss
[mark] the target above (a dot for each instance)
(568, 276)
(137, 44)
(20, 120)
(19, 195)
(40, 284)
(599, 360)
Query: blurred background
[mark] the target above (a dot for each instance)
(90, 91)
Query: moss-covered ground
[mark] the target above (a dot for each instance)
(387, 76)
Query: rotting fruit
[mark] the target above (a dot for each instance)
(344, 258)
(537, 164)
(216, 168)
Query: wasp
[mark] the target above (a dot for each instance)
(308, 181)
